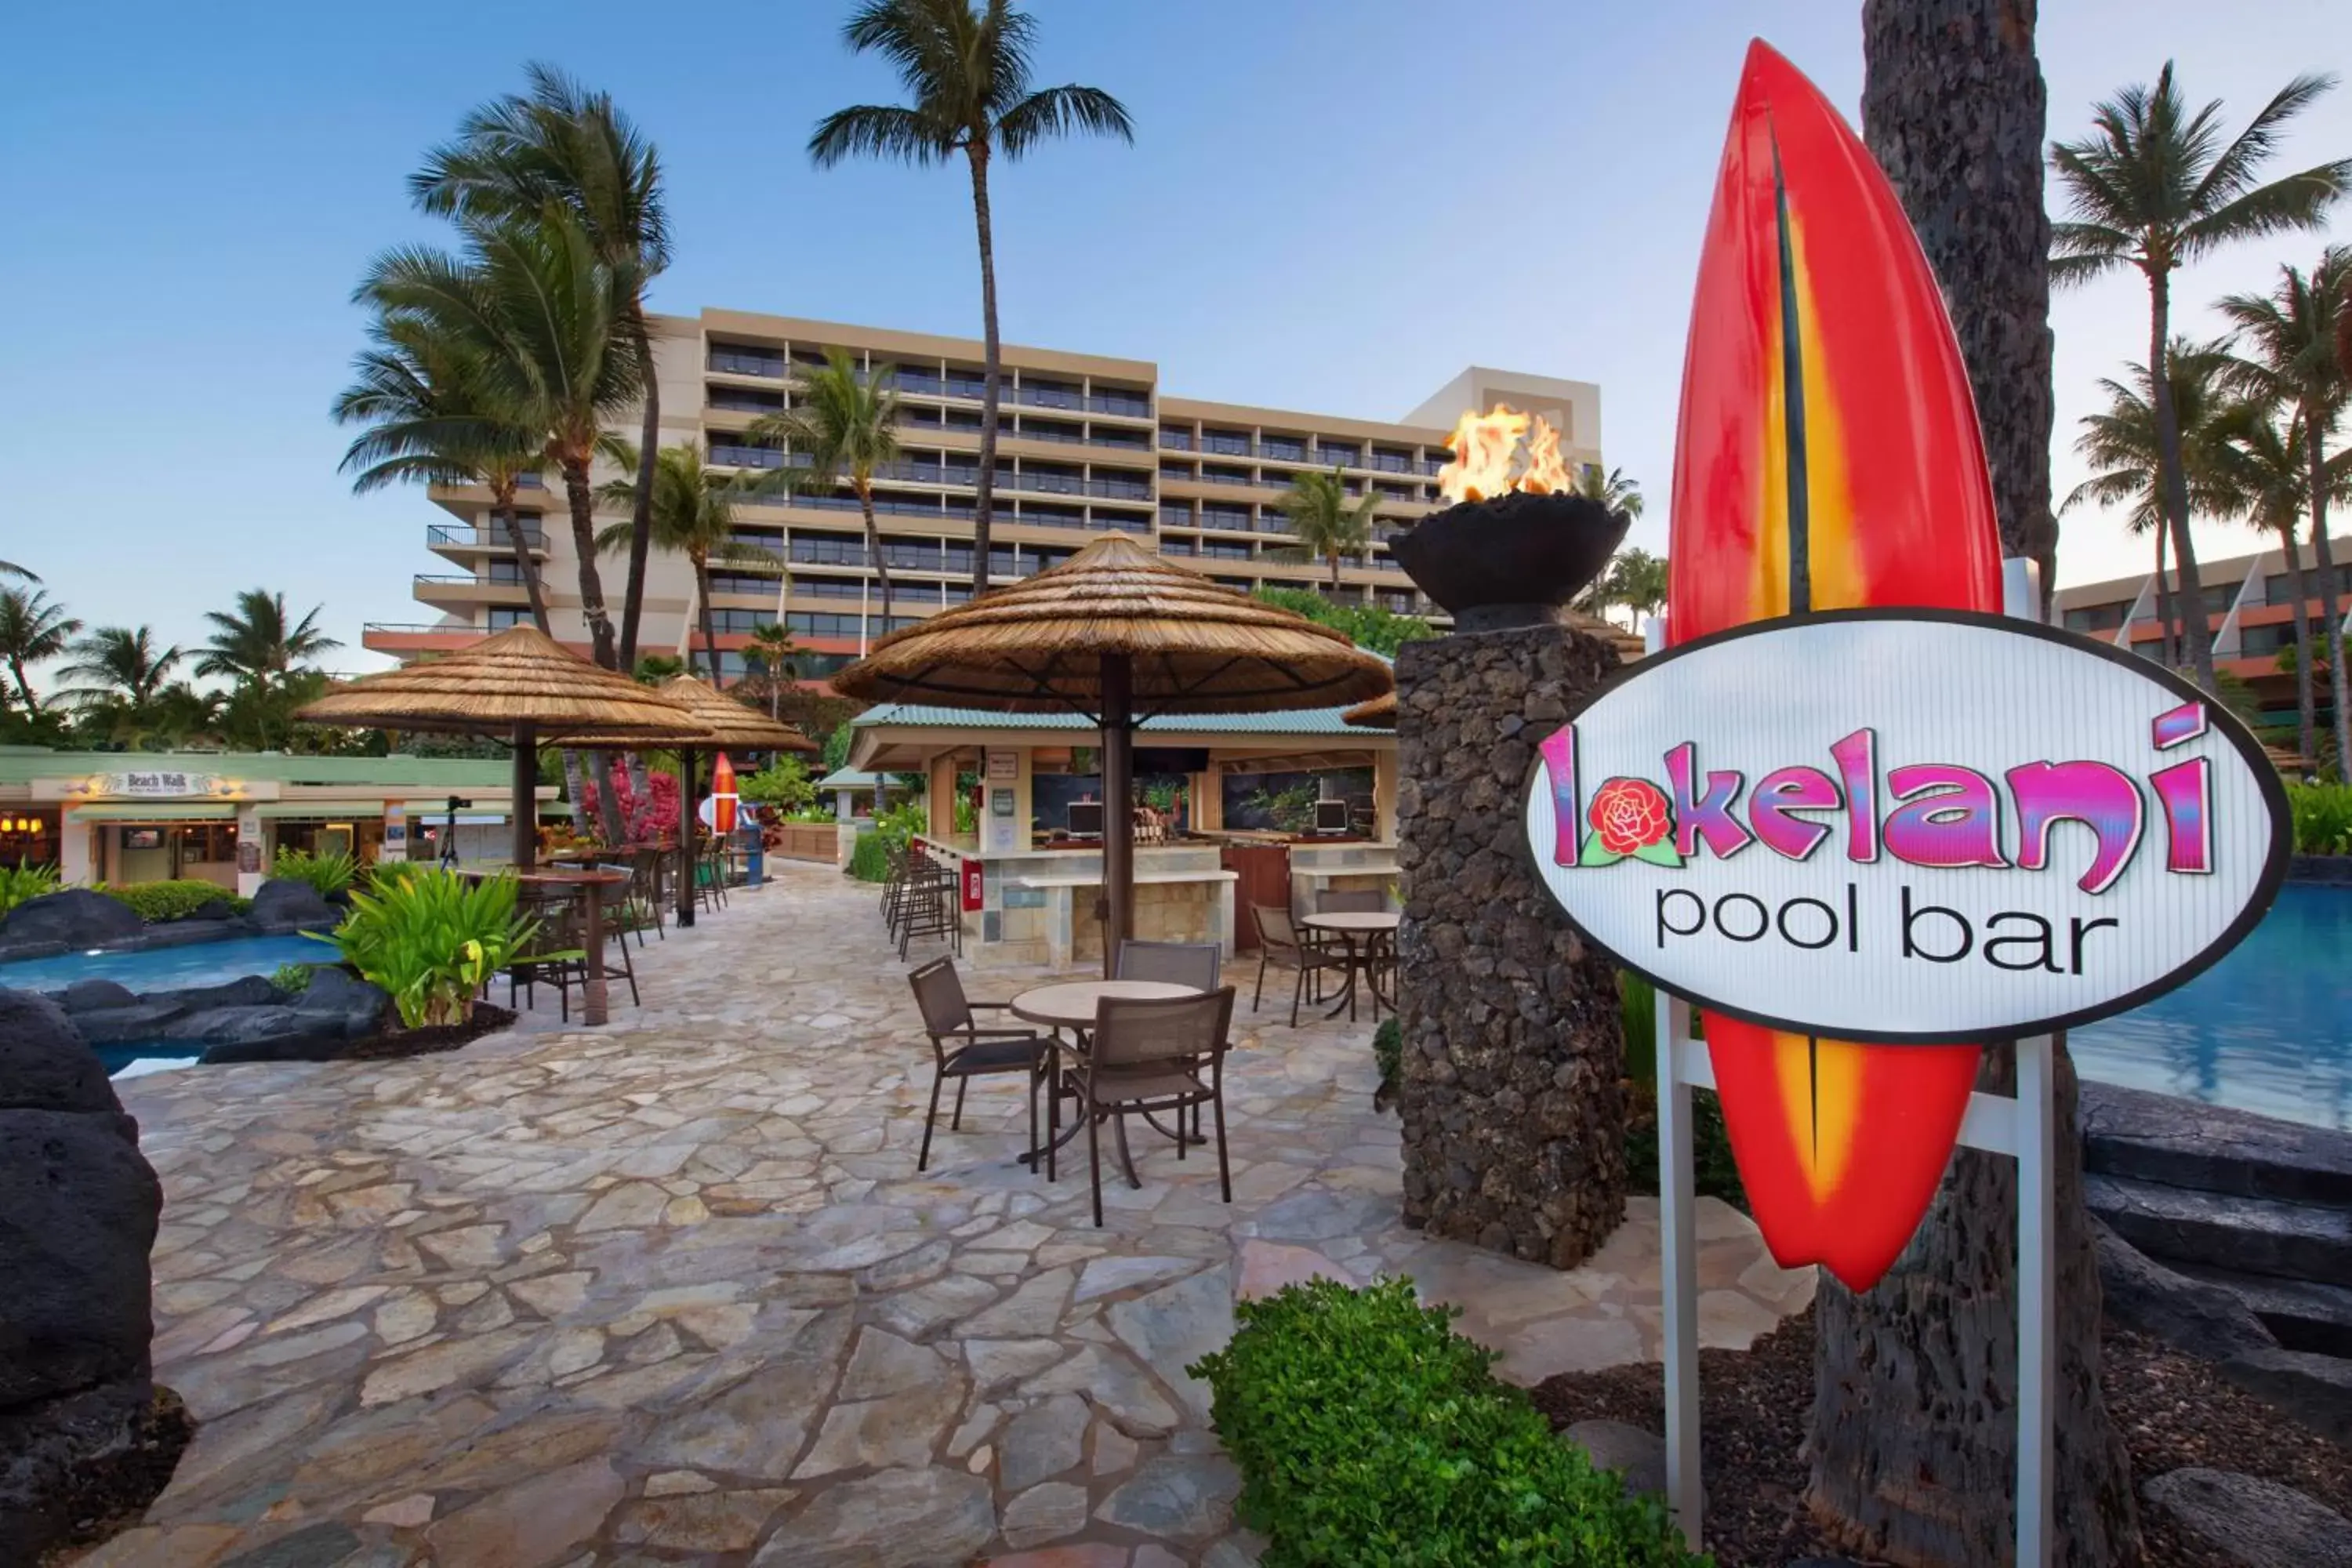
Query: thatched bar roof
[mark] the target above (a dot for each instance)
(720, 723)
(519, 676)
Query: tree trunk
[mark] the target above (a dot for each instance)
(584, 539)
(1914, 1426)
(710, 623)
(874, 543)
(2331, 621)
(502, 518)
(611, 828)
(575, 776)
(23, 687)
(2164, 652)
(991, 372)
(2306, 705)
(641, 513)
(2173, 481)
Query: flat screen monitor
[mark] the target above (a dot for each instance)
(1330, 817)
(143, 838)
(1085, 819)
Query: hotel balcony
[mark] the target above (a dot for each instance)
(461, 593)
(460, 544)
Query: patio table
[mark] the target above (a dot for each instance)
(1361, 931)
(1070, 1004)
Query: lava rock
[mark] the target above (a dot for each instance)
(249, 991)
(1638, 1456)
(356, 1005)
(84, 1459)
(90, 995)
(213, 922)
(2259, 1523)
(121, 1025)
(2140, 1293)
(44, 1065)
(283, 904)
(244, 1026)
(2317, 1390)
(82, 1207)
(74, 916)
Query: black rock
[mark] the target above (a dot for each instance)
(355, 1007)
(247, 991)
(89, 995)
(213, 922)
(2317, 1390)
(81, 1208)
(234, 1024)
(286, 905)
(122, 1026)
(2255, 1235)
(2186, 1143)
(76, 917)
(44, 1063)
(68, 1462)
(2253, 1521)
(2140, 1293)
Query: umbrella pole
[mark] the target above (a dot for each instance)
(525, 804)
(1118, 818)
(686, 804)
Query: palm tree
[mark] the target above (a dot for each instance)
(693, 516)
(33, 630)
(2291, 334)
(563, 143)
(1612, 489)
(847, 424)
(432, 418)
(2153, 187)
(259, 644)
(542, 318)
(119, 667)
(778, 657)
(968, 73)
(1327, 524)
(2126, 454)
(10, 569)
(1637, 580)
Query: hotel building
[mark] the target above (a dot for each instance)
(1085, 444)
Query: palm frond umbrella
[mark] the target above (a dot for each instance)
(722, 724)
(1380, 713)
(521, 684)
(1119, 635)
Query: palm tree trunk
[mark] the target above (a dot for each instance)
(1335, 576)
(611, 828)
(641, 514)
(502, 519)
(576, 774)
(1903, 1467)
(2331, 621)
(874, 541)
(2174, 474)
(709, 623)
(584, 539)
(2164, 648)
(2305, 706)
(991, 372)
(23, 687)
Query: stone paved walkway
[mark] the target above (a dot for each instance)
(672, 1292)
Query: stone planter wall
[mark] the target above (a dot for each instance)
(1514, 1054)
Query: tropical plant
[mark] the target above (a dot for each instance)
(292, 979)
(1290, 809)
(897, 826)
(693, 516)
(774, 653)
(326, 875)
(21, 573)
(259, 642)
(1372, 627)
(20, 883)
(647, 818)
(2292, 366)
(119, 667)
(785, 784)
(2153, 187)
(870, 861)
(560, 143)
(652, 668)
(838, 744)
(434, 416)
(1612, 489)
(34, 629)
(845, 423)
(1636, 581)
(2322, 814)
(1328, 526)
(968, 72)
(2123, 445)
(429, 937)
(178, 899)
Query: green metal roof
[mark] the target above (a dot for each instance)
(161, 811)
(847, 778)
(22, 764)
(1289, 721)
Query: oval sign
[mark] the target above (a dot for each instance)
(1908, 826)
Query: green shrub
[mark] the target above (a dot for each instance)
(328, 874)
(1715, 1172)
(160, 902)
(785, 784)
(1368, 1433)
(899, 824)
(1388, 1050)
(292, 979)
(2323, 817)
(430, 938)
(20, 883)
(868, 860)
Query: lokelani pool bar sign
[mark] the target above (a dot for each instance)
(1907, 825)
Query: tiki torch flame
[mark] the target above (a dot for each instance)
(1502, 451)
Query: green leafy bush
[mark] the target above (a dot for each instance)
(899, 824)
(2323, 817)
(785, 784)
(20, 883)
(1388, 1050)
(160, 902)
(328, 874)
(1369, 1435)
(430, 938)
(868, 860)
(1715, 1172)
(292, 979)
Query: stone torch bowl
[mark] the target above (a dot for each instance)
(1514, 561)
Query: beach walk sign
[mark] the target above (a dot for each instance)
(1907, 825)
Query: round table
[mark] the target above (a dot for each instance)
(1070, 1004)
(1361, 931)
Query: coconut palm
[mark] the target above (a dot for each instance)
(259, 643)
(1637, 580)
(2127, 457)
(968, 72)
(2153, 187)
(778, 658)
(1328, 525)
(846, 425)
(561, 142)
(543, 319)
(1612, 489)
(24, 574)
(119, 667)
(2290, 363)
(693, 516)
(432, 418)
(34, 629)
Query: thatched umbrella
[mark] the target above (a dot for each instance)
(1120, 635)
(722, 724)
(521, 684)
(1380, 713)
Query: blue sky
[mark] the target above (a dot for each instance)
(1330, 207)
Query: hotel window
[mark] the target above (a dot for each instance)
(1213, 474)
(833, 587)
(828, 549)
(745, 359)
(2096, 618)
(740, 620)
(1224, 551)
(744, 399)
(1284, 448)
(1176, 514)
(1245, 585)
(504, 571)
(1175, 440)
(742, 582)
(1177, 547)
(1232, 517)
(1229, 443)
(2279, 587)
(504, 619)
(1325, 452)
(2255, 642)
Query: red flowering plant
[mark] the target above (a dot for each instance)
(1629, 816)
(651, 821)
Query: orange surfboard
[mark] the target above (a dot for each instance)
(1828, 457)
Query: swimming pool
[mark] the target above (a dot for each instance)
(168, 968)
(2268, 1029)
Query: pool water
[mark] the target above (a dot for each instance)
(170, 968)
(2268, 1029)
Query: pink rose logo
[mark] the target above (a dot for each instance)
(1629, 816)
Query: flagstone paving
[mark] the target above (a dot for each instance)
(672, 1292)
